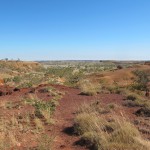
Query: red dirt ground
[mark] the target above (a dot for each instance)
(65, 112)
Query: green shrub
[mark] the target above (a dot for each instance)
(142, 80)
(17, 79)
(131, 97)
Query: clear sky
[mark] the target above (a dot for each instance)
(75, 29)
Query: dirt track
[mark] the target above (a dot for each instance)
(65, 113)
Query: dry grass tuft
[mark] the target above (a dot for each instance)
(115, 133)
(88, 88)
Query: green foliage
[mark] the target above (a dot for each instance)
(60, 71)
(142, 80)
(73, 79)
(6, 80)
(25, 85)
(44, 109)
(17, 79)
(40, 106)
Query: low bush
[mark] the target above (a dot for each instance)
(119, 67)
(131, 97)
(142, 80)
(143, 112)
(114, 89)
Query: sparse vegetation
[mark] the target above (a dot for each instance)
(32, 96)
(14, 129)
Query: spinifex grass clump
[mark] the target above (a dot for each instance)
(88, 88)
(115, 133)
(45, 142)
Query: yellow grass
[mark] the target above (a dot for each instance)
(88, 88)
(117, 134)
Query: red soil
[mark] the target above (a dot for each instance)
(65, 112)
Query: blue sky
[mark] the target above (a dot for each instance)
(75, 29)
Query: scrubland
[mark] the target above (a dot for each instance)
(98, 105)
